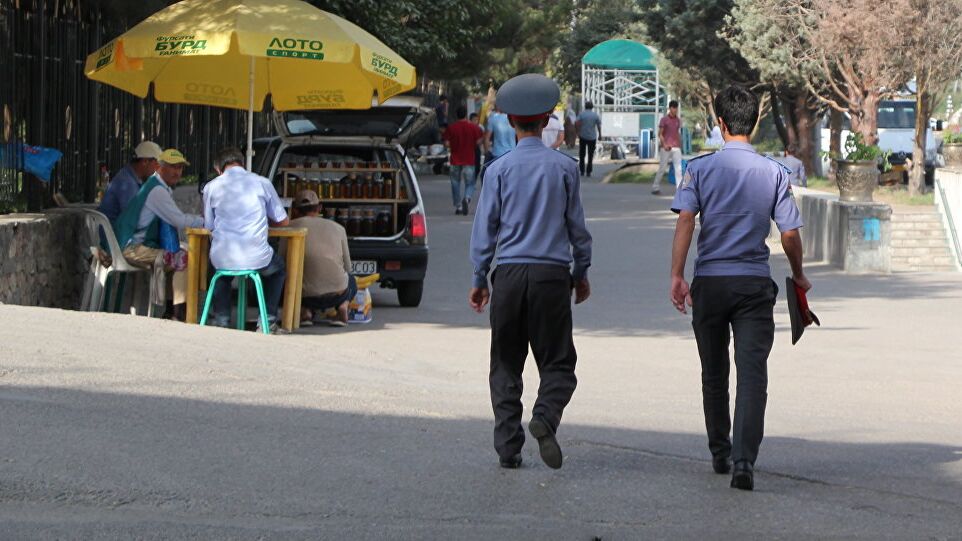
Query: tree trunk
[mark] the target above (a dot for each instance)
(866, 121)
(835, 141)
(923, 109)
(804, 122)
(777, 119)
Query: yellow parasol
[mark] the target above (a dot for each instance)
(233, 53)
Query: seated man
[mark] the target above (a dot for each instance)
(238, 206)
(139, 229)
(328, 282)
(126, 183)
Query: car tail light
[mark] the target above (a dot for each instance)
(417, 228)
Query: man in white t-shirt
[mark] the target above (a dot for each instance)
(238, 207)
(554, 133)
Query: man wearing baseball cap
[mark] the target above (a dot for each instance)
(126, 183)
(328, 282)
(147, 230)
(530, 214)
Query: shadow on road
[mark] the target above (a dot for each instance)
(120, 464)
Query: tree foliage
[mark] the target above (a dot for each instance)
(592, 22)
(933, 49)
(689, 34)
(843, 54)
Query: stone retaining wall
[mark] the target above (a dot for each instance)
(43, 259)
(855, 237)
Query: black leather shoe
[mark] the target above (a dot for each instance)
(743, 478)
(721, 464)
(512, 462)
(547, 444)
(464, 207)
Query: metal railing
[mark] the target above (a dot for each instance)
(45, 100)
(947, 208)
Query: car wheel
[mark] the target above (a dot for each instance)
(438, 168)
(409, 293)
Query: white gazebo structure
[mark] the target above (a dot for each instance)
(621, 80)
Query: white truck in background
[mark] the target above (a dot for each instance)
(896, 132)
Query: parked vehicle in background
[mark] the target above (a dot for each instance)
(896, 131)
(356, 161)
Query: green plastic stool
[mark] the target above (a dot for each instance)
(241, 297)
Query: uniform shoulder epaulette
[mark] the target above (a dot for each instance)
(488, 163)
(785, 168)
(701, 156)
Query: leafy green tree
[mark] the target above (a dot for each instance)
(689, 34)
(795, 110)
(592, 22)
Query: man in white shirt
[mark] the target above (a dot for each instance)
(554, 133)
(238, 206)
(147, 230)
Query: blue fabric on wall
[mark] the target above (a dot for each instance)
(38, 161)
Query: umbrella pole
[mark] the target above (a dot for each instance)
(250, 120)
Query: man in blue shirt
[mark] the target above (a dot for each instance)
(736, 193)
(530, 212)
(126, 183)
(499, 134)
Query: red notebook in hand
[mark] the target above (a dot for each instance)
(798, 310)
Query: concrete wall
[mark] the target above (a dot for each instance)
(43, 259)
(948, 200)
(855, 237)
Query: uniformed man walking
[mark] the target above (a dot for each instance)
(736, 193)
(530, 211)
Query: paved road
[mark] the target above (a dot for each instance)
(121, 427)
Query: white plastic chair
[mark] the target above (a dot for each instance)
(96, 284)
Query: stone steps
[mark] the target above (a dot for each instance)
(920, 243)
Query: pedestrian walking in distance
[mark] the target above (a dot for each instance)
(735, 193)
(588, 126)
(530, 212)
(669, 146)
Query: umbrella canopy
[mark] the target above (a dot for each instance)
(213, 52)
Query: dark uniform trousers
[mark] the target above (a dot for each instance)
(743, 304)
(530, 304)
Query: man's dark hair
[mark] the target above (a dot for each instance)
(228, 156)
(530, 126)
(462, 112)
(473, 116)
(307, 209)
(443, 98)
(738, 107)
(589, 105)
(673, 103)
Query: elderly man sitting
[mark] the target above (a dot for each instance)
(126, 183)
(147, 231)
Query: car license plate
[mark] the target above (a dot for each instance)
(363, 268)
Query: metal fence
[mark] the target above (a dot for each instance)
(45, 100)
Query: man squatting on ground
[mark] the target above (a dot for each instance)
(530, 210)
(736, 193)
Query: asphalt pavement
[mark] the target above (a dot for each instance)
(119, 427)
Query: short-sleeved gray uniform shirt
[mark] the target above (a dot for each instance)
(737, 193)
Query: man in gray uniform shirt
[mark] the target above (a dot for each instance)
(589, 130)
(736, 193)
(530, 211)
